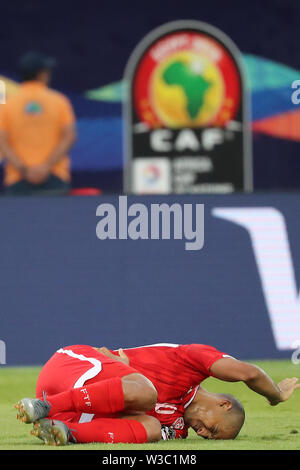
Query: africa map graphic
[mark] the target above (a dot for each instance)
(193, 85)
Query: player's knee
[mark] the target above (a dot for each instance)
(149, 397)
(147, 393)
(152, 427)
(140, 394)
(144, 397)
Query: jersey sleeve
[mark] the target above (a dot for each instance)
(67, 115)
(201, 357)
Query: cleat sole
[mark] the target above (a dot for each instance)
(51, 434)
(22, 414)
(30, 410)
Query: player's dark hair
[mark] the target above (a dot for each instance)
(237, 409)
(32, 63)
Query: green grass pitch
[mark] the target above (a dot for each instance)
(265, 428)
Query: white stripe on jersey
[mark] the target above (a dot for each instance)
(91, 373)
(170, 345)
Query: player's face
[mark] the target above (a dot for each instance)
(209, 425)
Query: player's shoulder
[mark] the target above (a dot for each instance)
(58, 96)
(199, 350)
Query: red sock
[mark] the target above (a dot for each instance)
(98, 398)
(109, 430)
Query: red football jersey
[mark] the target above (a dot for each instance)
(176, 371)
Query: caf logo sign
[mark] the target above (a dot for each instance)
(185, 78)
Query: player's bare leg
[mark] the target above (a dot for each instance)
(151, 425)
(139, 393)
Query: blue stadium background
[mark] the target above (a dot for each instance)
(92, 43)
(59, 284)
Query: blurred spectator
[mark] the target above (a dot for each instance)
(37, 129)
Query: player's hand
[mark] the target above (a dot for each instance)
(287, 388)
(122, 357)
(37, 174)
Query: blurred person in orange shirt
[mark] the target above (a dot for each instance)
(37, 129)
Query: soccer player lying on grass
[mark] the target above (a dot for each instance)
(153, 392)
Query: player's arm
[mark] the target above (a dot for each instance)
(9, 154)
(232, 370)
(67, 133)
(68, 137)
(38, 173)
